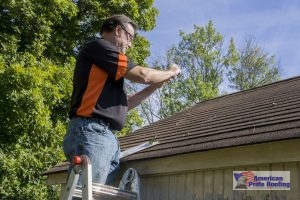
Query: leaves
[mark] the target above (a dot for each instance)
(201, 56)
(33, 119)
(57, 29)
(253, 67)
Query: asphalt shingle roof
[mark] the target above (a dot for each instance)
(262, 114)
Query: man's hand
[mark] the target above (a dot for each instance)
(175, 69)
(137, 98)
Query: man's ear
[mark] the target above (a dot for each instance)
(118, 30)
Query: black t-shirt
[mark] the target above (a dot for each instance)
(98, 83)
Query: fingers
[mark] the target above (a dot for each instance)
(175, 68)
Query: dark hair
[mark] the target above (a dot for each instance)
(111, 23)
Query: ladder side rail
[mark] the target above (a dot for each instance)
(71, 185)
(87, 188)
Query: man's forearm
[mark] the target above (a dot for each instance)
(151, 76)
(137, 98)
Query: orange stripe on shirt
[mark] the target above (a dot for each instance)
(122, 66)
(97, 79)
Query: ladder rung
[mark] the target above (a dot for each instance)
(107, 192)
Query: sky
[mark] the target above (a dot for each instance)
(274, 24)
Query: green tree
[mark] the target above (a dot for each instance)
(57, 29)
(254, 67)
(203, 60)
(33, 119)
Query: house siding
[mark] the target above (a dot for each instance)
(208, 175)
(216, 184)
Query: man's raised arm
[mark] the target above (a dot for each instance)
(150, 76)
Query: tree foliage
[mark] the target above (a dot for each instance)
(202, 58)
(253, 67)
(33, 119)
(57, 29)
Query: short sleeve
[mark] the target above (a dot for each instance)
(105, 56)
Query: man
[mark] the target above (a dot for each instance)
(99, 103)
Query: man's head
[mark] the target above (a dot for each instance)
(120, 31)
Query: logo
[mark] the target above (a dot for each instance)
(261, 180)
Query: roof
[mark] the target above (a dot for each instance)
(264, 114)
(59, 168)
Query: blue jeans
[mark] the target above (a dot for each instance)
(92, 137)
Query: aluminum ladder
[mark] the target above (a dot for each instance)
(128, 187)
